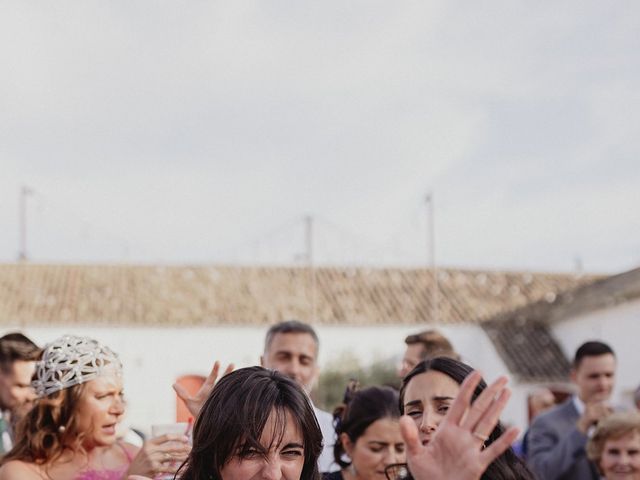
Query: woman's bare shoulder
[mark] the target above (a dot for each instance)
(19, 470)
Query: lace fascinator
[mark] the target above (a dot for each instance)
(71, 360)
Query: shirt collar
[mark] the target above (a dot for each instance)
(578, 404)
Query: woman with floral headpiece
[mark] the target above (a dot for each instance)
(70, 434)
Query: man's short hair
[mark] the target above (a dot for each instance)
(17, 347)
(591, 349)
(290, 326)
(433, 342)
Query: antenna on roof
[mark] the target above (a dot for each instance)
(431, 248)
(24, 193)
(308, 222)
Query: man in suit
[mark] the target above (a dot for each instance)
(558, 437)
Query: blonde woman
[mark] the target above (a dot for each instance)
(70, 434)
(615, 446)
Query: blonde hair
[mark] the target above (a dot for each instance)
(614, 426)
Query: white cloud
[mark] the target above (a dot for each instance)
(185, 131)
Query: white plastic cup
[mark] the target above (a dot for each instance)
(179, 428)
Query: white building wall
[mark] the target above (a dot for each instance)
(154, 358)
(619, 327)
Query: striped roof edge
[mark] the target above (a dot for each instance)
(523, 336)
(59, 294)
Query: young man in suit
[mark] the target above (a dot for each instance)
(558, 437)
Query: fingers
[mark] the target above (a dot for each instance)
(213, 375)
(409, 433)
(168, 437)
(165, 453)
(482, 404)
(498, 447)
(230, 368)
(210, 381)
(490, 419)
(182, 392)
(461, 403)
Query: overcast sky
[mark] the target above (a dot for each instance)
(204, 131)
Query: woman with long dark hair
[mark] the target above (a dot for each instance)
(368, 434)
(256, 423)
(426, 395)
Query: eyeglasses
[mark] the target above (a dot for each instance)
(397, 471)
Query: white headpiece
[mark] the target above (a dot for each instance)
(72, 360)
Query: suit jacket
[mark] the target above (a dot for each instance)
(557, 447)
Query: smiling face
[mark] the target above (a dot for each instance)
(621, 457)
(427, 399)
(100, 408)
(379, 446)
(278, 459)
(293, 355)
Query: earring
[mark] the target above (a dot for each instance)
(62, 429)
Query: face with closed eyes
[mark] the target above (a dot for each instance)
(427, 399)
(379, 446)
(278, 459)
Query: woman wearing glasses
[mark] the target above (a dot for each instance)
(368, 434)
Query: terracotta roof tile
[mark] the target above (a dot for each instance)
(32, 294)
(523, 338)
(529, 350)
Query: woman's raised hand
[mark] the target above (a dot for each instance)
(456, 451)
(194, 403)
(163, 454)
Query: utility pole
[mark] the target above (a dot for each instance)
(308, 221)
(22, 205)
(431, 248)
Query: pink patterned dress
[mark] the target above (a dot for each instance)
(115, 474)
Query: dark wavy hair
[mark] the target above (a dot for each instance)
(507, 466)
(235, 414)
(360, 409)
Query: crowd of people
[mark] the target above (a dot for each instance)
(61, 406)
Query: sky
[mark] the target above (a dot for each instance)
(204, 132)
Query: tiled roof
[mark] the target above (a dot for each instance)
(523, 336)
(204, 295)
(529, 350)
(602, 293)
